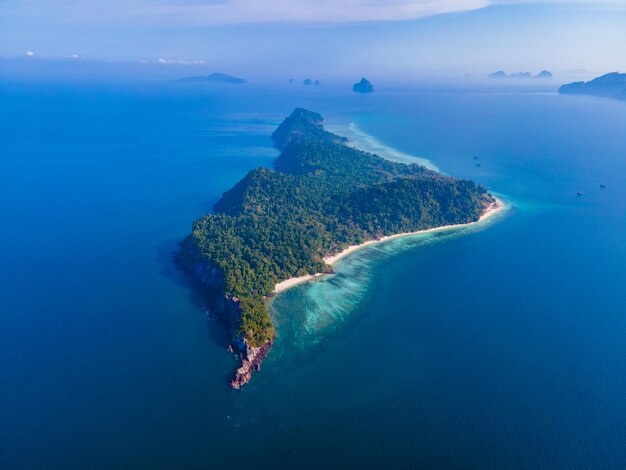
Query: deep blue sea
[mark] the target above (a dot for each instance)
(497, 346)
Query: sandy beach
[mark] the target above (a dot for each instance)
(330, 260)
(294, 281)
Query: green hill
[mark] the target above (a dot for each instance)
(321, 197)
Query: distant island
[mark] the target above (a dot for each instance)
(277, 227)
(611, 85)
(364, 86)
(215, 78)
(522, 75)
(498, 74)
(308, 81)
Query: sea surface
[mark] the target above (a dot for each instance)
(501, 345)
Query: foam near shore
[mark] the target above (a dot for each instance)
(492, 210)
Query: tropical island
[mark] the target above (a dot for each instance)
(610, 85)
(323, 198)
(216, 77)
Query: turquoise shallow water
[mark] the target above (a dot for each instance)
(309, 313)
(498, 346)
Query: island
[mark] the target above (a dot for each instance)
(498, 74)
(364, 86)
(287, 224)
(544, 74)
(216, 77)
(610, 85)
(520, 75)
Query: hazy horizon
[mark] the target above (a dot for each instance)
(395, 41)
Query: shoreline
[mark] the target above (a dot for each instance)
(361, 140)
(282, 286)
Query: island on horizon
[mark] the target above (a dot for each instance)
(610, 85)
(364, 86)
(321, 199)
(216, 77)
(544, 74)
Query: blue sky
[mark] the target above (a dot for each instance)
(326, 38)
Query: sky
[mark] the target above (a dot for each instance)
(317, 38)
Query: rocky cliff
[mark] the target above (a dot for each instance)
(227, 309)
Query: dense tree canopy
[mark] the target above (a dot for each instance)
(321, 196)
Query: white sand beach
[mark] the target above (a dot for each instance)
(493, 209)
(294, 281)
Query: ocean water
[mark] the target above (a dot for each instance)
(502, 345)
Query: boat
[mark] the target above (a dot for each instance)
(578, 193)
(602, 186)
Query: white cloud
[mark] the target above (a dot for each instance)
(30, 53)
(163, 61)
(169, 13)
(230, 12)
(319, 11)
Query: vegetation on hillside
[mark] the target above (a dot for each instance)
(321, 197)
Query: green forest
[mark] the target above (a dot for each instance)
(320, 197)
